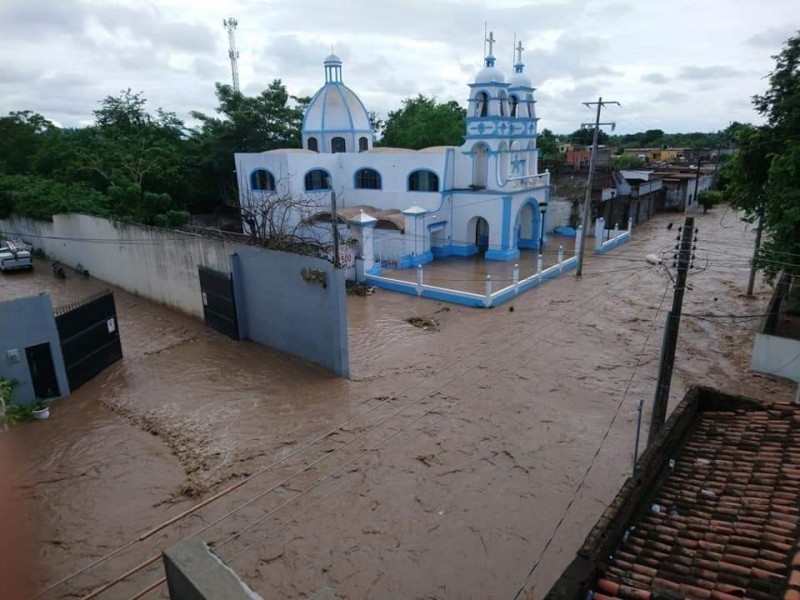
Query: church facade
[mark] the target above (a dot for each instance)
(409, 207)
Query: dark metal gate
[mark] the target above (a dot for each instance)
(219, 307)
(89, 335)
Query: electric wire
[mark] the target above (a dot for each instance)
(249, 478)
(558, 324)
(597, 452)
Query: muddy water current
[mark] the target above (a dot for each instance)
(440, 470)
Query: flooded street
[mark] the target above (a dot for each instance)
(441, 470)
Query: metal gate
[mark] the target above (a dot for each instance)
(89, 334)
(219, 307)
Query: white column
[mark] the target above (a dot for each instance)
(578, 240)
(599, 232)
(487, 300)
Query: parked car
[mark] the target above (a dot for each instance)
(15, 256)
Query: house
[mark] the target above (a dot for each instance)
(681, 186)
(578, 157)
(776, 350)
(712, 510)
(409, 207)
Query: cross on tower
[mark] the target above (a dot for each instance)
(519, 52)
(491, 41)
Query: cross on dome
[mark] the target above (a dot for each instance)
(491, 41)
(519, 51)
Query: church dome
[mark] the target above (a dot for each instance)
(336, 113)
(520, 80)
(490, 74)
(335, 108)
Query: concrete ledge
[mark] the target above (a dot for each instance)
(195, 573)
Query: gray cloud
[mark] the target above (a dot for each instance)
(670, 97)
(708, 73)
(656, 78)
(771, 38)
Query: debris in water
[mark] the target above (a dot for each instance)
(359, 289)
(424, 323)
(653, 259)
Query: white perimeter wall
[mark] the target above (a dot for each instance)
(158, 264)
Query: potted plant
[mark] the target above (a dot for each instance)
(41, 411)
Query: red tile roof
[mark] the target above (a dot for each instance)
(724, 522)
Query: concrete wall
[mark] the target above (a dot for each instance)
(195, 573)
(776, 356)
(158, 264)
(282, 309)
(26, 322)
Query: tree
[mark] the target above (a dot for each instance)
(423, 122)
(709, 199)
(547, 143)
(268, 121)
(627, 161)
(584, 137)
(764, 175)
(21, 136)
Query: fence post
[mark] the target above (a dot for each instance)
(539, 264)
(487, 301)
(560, 259)
(630, 224)
(616, 230)
(578, 240)
(515, 278)
(599, 232)
(419, 280)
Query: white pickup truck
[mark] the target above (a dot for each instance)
(15, 256)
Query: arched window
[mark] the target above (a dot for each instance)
(312, 144)
(503, 100)
(481, 104)
(262, 180)
(423, 181)
(368, 179)
(363, 144)
(514, 104)
(531, 106)
(338, 145)
(317, 180)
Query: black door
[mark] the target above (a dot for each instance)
(219, 306)
(43, 373)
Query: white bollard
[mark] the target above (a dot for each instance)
(616, 230)
(560, 258)
(487, 301)
(539, 265)
(419, 280)
(578, 240)
(515, 278)
(599, 232)
(630, 224)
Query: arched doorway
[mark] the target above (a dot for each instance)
(528, 234)
(480, 166)
(478, 233)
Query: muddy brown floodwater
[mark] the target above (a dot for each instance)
(441, 470)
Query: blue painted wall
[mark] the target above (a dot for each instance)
(278, 308)
(26, 322)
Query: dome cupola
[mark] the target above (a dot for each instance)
(336, 119)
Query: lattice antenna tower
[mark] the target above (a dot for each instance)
(230, 24)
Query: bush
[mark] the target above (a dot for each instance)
(708, 199)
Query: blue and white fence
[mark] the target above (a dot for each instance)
(492, 297)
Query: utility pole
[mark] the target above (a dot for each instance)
(696, 183)
(670, 341)
(335, 222)
(752, 281)
(587, 203)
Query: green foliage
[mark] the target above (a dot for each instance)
(584, 137)
(709, 199)
(763, 177)
(12, 413)
(547, 143)
(423, 122)
(627, 161)
(40, 198)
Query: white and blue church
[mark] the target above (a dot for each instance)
(410, 207)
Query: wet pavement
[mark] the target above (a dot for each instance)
(440, 470)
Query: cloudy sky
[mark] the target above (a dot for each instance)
(674, 65)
